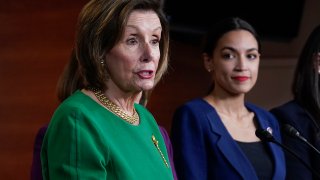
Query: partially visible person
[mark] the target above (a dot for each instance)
(303, 111)
(143, 100)
(99, 131)
(213, 137)
(36, 170)
(167, 141)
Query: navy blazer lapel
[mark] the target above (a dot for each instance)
(275, 150)
(229, 148)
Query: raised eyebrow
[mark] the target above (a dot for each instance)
(229, 48)
(130, 31)
(252, 49)
(134, 27)
(234, 50)
(158, 29)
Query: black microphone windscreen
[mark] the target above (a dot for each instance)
(291, 130)
(264, 135)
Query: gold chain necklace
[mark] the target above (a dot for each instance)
(115, 109)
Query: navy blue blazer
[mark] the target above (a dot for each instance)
(292, 113)
(203, 148)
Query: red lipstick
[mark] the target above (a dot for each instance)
(241, 78)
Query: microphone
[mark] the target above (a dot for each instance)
(265, 135)
(293, 132)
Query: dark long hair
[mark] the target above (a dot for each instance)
(305, 86)
(222, 27)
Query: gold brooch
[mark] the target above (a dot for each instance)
(155, 142)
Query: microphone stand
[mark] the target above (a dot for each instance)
(293, 132)
(266, 136)
(300, 159)
(310, 145)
